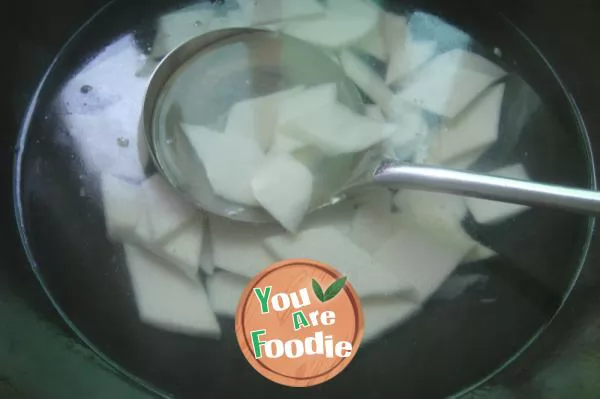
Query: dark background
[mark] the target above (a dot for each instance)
(566, 32)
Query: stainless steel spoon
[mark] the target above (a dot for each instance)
(372, 170)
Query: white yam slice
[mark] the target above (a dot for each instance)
(457, 285)
(464, 161)
(257, 118)
(231, 161)
(367, 80)
(168, 300)
(237, 246)
(284, 187)
(224, 292)
(450, 81)
(260, 12)
(394, 31)
(474, 130)
(479, 253)
(339, 216)
(122, 205)
(330, 246)
(485, 211)
(185, 249)
(423, 255)
(177, 27)
(433, 207)
(232, 19)
(373, 44)
(374, 112)
(411, 129)
(345, 23)
(295, 106)
(373, 222)
(298, 103)
(383, 314)
(284, 144)
(337, 130)
(166, 210)
(407, 58)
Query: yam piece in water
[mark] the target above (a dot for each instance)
(473, 131)
(337, 130)
(166, 299)
(166, 210)
(260, 12)
(284, 187)
(448, 83)
(224, 292)
(486, 212)
(329, 245)
(237, 246)
(423, 254)
(231, 162)
(121, 200)
(345, 22)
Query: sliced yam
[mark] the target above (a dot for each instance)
(410, 129)
(299, 103)
(339, 216)
(311, 157)
(295, 106)
(284, 187)
(345, 22)
(382, 314)
(408, 58)
(284, 144)
(373, 43)
(168, 300)
(377, 197)
(167, 211)
(464, 161)
(142, 147)
(185, 249)
(374, 112)
(122, 203)
(337, 130)
(486, 212)
(260, 12)
(478, 253)
(474, 130)
(257, 118)
(373, 222)
(434, 207)
(177, 27)
(448, 83)
(207, 263)
(330, 246)
(394, 31)
(237, 246)
(367, 80)
(423, 254)
(232, 19)
(457, 285)
(231, 161)
(224, 292)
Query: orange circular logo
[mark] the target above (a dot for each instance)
(299, 323)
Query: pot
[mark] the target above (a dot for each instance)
(450, 348)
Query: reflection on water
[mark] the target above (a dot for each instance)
(100, 107)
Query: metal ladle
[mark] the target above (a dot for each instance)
(372, 170)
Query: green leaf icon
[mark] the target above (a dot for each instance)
(318, 290)
(335, 289)
(331, 292)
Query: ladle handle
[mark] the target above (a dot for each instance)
(476, 185)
